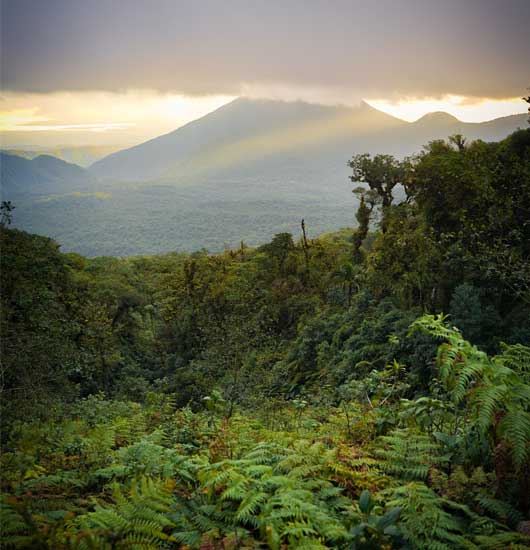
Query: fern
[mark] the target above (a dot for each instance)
(138, 520)
(279, 492)
(14, 529)
(503, 541)
(278, 489)
(423, 521)
(515, 428)
(498, 509)
(517, 358)
(492, 388)
(409, 455)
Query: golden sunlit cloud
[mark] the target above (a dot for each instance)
(16, 118)
(93, 127)
(466, 109)
(73, 117)
(129, 117)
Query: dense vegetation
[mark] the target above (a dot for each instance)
(304, 394)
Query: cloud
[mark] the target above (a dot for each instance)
(467, 109)
(125, 117)
(93, 127)
(344, 48)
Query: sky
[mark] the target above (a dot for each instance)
(122, 71)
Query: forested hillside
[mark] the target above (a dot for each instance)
(365, 389)
(41, 177)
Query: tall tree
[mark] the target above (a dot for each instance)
(382, 173)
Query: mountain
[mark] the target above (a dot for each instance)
(82, 155)
(262, 136)
(439, 125)
(242, 131)
(249, 170)
(41, 175)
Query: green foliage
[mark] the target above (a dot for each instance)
(375, 529)
(424, 522)
(382, 174)
(409, 455)
(14, 527)
(289, 396)
(138, 520)
(496, 397)
(239, 482)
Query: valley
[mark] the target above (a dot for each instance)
(247, 171)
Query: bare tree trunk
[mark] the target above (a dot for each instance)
(305, 245)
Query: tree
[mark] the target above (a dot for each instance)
(6, 208)
(363, 215)
(382, 173)
(38, 323)
(279, 249)
(459, 141)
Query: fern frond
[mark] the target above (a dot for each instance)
(499, 509)
(14, 530)
(139, 519)
(424, 522)
(409, 455)
(517, 358)
(515, 428)
(250, 507)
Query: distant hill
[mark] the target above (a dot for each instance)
(82, 155)
(244, 172)
(440, 125)
(41, 175)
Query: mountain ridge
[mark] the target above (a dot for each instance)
(41, 175)
(242, 118)
(82, 155)
(281, 127)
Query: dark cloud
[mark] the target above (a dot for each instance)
(373, 48)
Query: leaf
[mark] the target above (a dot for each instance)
(365, 502)
(389, 518)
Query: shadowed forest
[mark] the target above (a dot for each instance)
(363, 389)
